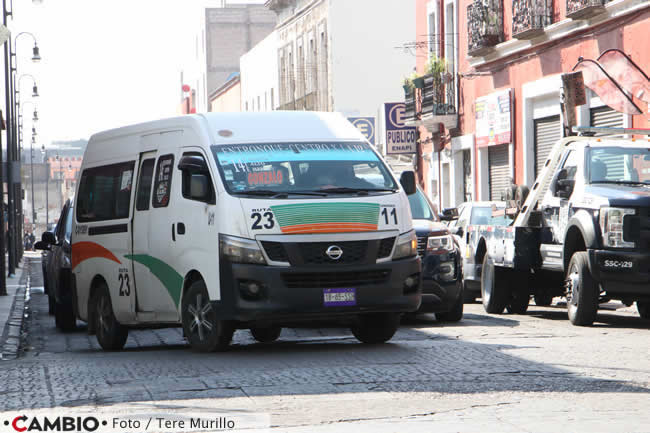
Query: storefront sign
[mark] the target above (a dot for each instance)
(365, 125)
(494, 118)
(399, 138)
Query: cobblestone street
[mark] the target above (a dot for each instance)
(487, 373)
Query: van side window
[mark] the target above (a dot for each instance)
(144, 185)
(195, 186)
(105, 192)
(163, 181)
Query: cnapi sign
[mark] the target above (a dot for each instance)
(399, 138)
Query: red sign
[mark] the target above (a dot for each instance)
(265, 178)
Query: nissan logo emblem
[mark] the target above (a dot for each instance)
(334, 252)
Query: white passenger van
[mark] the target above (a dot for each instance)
(220, 222)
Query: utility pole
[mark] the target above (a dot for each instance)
(3, 281)
(11, 189)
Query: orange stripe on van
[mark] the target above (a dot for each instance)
(87, 250)
(329, 228)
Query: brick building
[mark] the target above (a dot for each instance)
(504, 66)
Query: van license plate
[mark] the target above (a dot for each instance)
(339, 297)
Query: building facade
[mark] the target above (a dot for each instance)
(341, 55)
(507, 59)
(227, 98)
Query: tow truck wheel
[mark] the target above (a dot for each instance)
(582, 291)
(643, 307)
(493, 292)
(201, 327)
(110, 334)
(376, 328)
(543, 300)
(519, 292)
(266, 335)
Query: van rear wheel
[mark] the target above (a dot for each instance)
(201, 327)
(376, 328)
(266, 335)
(110, 334)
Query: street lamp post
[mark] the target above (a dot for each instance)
(13, 154)
(31, 163)
(47, 187)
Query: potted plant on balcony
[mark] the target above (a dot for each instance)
(437, 68)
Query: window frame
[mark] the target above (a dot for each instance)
(156, 183)
(137, 192)
(91, 171)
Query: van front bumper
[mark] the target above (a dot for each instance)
(621, 273)
(288, 294)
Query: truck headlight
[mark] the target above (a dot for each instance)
(240, 250)
(440, 244)
(611, 225)
(407, 246)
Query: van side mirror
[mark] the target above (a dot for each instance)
(563, 187)
(193, 164)
(407, 180)
(48, 238)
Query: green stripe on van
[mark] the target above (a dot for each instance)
(315, 213)
(172, 280)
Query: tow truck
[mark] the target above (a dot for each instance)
(582, 231)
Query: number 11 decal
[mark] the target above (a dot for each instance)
(392, 213)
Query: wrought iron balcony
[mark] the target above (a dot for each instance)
(529, 17)
(432, 104)
(582, 9)
(485, 25)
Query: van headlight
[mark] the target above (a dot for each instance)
(611, 225)
(440, 244)
(407, 246)
(240, 250)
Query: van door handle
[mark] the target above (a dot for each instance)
(173, 233)
(181, 228)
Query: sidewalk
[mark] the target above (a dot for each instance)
(12, 312)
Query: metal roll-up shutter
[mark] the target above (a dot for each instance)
(548, 131)
(499, 170)
(608, 117)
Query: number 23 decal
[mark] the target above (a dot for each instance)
(125, 288)
(262, 220)
(389, 215)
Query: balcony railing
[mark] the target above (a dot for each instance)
(529, 17)
(485, 24)
(434, 103)
(581, 9)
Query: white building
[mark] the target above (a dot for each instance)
(341, 55)
(259, 76)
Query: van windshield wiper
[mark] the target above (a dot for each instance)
(621, 182)
(346, 190)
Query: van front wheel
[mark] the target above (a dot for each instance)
(376, 328)
(201, 327)
(110, 334)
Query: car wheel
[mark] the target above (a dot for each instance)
(376, 328)
(455, 314)
(643, 307)
(494, 293)
(64, 317)
(582, 291)
(202, 329)
(266, 335)
(518, 303)
(543, 300)
(110, 334)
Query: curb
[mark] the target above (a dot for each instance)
(13, 333)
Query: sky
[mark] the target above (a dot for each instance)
(106, 63)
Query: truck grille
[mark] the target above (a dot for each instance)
(636, 228)
(327, 280)
(422, 245)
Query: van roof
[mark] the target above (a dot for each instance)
(252, 127)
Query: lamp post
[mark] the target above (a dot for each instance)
(13, 156)
(47, 187)
(31, 163)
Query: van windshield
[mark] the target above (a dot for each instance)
(285, 168)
